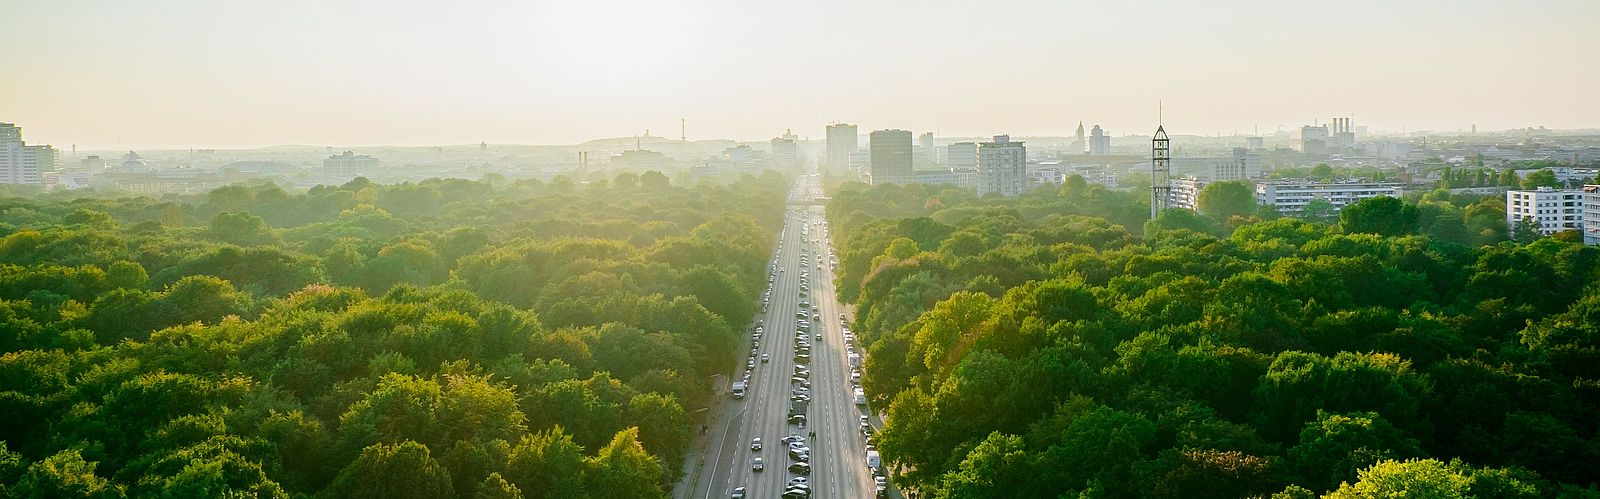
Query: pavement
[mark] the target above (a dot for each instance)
(723, 456)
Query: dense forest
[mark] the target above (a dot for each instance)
(1058, 345)
(438, 339)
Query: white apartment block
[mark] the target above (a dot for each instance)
(347, 166)
(1185, 193)
(1002, 167)
(1591, 214)
(1290, 197)
(1556, 210)
(959, 177)
(21, 163)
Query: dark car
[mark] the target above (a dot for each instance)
(800, 468)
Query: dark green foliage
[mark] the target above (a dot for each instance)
(1382, 215)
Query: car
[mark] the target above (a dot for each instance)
(799, 480)
(792, 439)
(755, 443)
(796, 493)
(799, 419)
(750, 365)
(765, 358)
(799, 446)
(757, 464)
(738, 493)
(801, 468)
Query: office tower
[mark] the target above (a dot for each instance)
(924, 151)
(1255, 143)
(962, 155)
(785, 152)
(21, 163)
(1099, 142)
(891, 156)
(841, 142)
(1002, 167)
(1078, 146)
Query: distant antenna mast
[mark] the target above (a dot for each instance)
(683, 130)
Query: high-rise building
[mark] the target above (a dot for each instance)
(1236, 167)
(961, 155)
(1002, 167)
(1078, 146)
(21, 163)
(1314, 139)
(924, 154)
(891, 157)
(785, 151)
(841, 142)
(347, 166)
(93, 165)
(1255, 143)
(1099, 142)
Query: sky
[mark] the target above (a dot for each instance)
(244, 73)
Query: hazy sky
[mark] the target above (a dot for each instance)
(245, 73)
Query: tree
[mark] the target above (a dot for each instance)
(1179, 218)
(403, 470)
(1540, 178)
(654, 180)
(496, 487)
(1382, 215)
(1321, 172)
(1335, 447)
(1414, 478)
(625, 180)
(1224, 200)
(65, 474)
(1526, 230)
(241, 228)
(622, 469)
(547, 465)
(1320, 210)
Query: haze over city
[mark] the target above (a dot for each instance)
(180, 74)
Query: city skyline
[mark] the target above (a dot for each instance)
(177, 74)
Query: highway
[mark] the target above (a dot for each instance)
(838, 451)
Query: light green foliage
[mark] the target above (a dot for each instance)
(1224, 200)
(446, 338)
(1022, 352)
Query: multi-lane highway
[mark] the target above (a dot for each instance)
(837, 451)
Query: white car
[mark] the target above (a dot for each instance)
(757, 464)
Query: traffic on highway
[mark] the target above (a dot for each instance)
(795, 423)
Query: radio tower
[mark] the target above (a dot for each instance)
(1160, 169)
